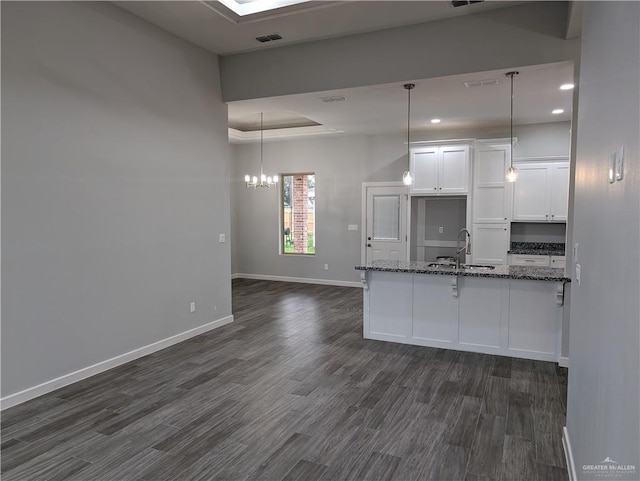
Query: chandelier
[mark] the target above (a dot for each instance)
(264, 180)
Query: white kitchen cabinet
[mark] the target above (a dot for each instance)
(508, 317)
(482, 302)
(440, 170)
(491, 193)
(529, 260)
(559, 192)
(534, 319)
(491, 204)
(490, 243)
(541, 193)
(390, 306)
(435, 309)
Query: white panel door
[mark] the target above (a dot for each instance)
(530, 198)
(386, 224)
(424, 165)
(559, 192)
(454, 170)
(490, 244)
(435, 310)
(481, 310)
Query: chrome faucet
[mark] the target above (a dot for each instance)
(466, 247)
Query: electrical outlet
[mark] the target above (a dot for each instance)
(222, 238)
(441, 230)
(192, 307)
(326, 267)
(352, 227)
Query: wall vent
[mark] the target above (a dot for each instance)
(269, 38)
(462, 3)
(482, 83)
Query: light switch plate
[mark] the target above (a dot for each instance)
(222, 238)
(619, 163)
(352, 227)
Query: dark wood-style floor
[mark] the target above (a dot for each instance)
(291, 391)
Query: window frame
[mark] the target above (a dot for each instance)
(281, 219)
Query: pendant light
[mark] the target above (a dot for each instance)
(512, 173)
(264, 180)
(407, 178)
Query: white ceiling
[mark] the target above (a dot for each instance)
(383, 108)
(216, 28)
(373, 109)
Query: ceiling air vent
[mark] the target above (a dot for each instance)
(269, 38)
(336, 98)
(462, 3)
(482, 83)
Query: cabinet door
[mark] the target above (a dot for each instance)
(530, 197)
(534, 318)
(490, 243)
(491, 200)
(454, 169)
(482, 304)
(435, 310)
(424, 165)
(559, 192)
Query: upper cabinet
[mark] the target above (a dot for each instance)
(541, 193)
(440, 170)
(491, 192)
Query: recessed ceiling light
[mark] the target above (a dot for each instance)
(557, 111)
(435, 121)
(566, 86)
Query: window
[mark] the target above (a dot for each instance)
(298, 214)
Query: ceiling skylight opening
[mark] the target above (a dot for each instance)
(566, 86)
(250, 7)
(557, 111)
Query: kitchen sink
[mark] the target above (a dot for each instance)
(444, 266)
(472, 267)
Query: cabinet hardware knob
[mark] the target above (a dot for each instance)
(368, 245)
(368, 238)
(505, 218)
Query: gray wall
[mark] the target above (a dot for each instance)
(530, 34)
(604, 388)
(341, 164)
(115, 167)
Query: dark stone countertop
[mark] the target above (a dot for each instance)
(504, 272)
(537, 248)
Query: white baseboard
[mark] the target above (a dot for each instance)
(568, 454)
(302, 280)
(563, 362)
(84, 373)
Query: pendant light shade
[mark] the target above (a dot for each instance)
(264, 180)
(512, 173)
(407, 178)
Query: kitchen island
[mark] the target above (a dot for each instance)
(505, 310)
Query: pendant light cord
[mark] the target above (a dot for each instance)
(262, 144)
(511, 74)
(409, 87)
